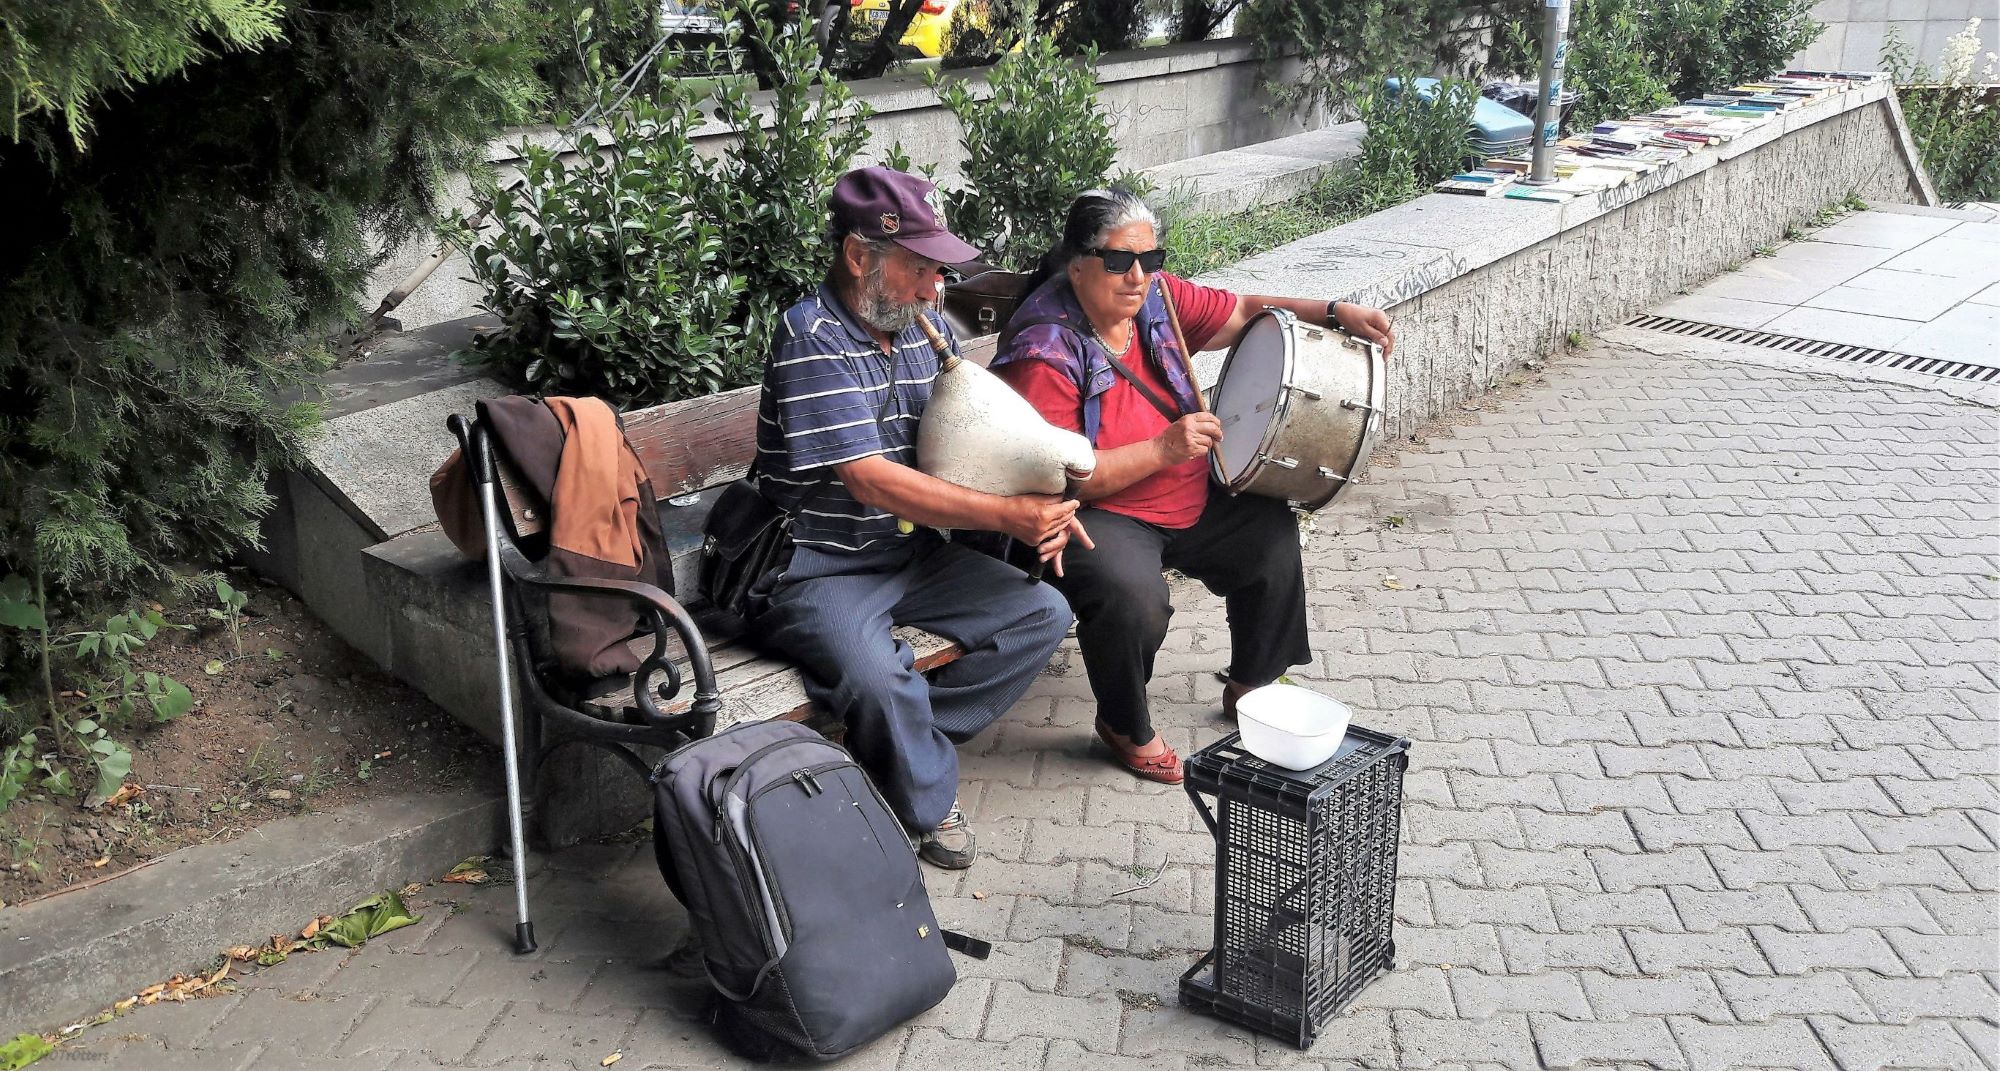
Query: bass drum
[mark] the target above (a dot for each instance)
(1300, 407)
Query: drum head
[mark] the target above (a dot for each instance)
(1248, 393)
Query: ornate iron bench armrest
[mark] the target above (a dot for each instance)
(665, 615)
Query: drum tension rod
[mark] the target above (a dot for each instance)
(1350, 403)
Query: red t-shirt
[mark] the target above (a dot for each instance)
(1172, 497)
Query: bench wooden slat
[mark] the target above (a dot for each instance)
(686, 447)
(783, 695)
(691, 445)
(754, 686)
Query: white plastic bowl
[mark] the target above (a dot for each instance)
(1290, 726)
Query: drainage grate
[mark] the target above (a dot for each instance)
(1971, 373)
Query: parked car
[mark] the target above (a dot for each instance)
(696, 24)
(928, 33)
(679, 20)
(701, 21)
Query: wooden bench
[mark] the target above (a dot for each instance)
(688, 448)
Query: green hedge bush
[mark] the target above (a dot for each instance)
(1034, 140)
(640, 270)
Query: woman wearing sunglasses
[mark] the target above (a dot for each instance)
(1095, 348)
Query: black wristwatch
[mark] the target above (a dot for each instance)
(1331, 319)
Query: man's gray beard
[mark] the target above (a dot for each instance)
(879, 310)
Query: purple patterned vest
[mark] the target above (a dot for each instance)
(1052, 327)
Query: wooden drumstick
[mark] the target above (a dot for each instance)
(1187, 359)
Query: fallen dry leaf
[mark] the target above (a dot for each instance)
(125, 1004)
(129, 792)
(611, 1059)
(99, 862)
(242, 952)
(1393, 584)
(220, 973)
(413, 888)
(152, 990)
(313, 927)
(468, 872)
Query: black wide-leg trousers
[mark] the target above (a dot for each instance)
(1244, 548)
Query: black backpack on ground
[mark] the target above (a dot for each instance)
(801, 889)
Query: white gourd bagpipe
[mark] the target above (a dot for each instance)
(978, 433)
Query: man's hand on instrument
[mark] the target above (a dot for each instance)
(1190, 437)
(1051, 551)
(1364, 322)
(1037, 519)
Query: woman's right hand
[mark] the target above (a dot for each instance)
(1190, 437)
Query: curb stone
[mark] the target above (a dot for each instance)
(74, 954)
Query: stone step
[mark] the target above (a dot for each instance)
(1237, 179)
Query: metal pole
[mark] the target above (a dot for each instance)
(1548, 111)
(524, 928)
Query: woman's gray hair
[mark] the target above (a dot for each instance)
(1092, 217)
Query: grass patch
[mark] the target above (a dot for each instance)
(1199, 242)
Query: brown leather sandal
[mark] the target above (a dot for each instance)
(1164, 767)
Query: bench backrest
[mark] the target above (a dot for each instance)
(686, 446)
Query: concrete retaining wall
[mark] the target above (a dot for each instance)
(1165, 104)
(1476, 286)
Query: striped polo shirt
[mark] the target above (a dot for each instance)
(827, 400)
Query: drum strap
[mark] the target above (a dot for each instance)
(1170, 412)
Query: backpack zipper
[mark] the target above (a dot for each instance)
(735, 775)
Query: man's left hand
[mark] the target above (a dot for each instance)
(1364, 322)
(1050, 551)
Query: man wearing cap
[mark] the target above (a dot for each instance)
(846, 383)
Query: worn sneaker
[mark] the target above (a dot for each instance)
(950, 845)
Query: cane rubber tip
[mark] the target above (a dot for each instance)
(524, 937)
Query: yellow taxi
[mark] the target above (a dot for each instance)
(930, 32)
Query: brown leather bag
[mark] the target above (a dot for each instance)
(980, 303)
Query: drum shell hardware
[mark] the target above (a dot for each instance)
(1320, 422)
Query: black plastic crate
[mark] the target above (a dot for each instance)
(1305, 881)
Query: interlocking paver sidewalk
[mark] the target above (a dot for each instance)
(1699, 660)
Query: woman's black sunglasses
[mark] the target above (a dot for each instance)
(1119, 261)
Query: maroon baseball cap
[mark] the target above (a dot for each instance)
(877, 202)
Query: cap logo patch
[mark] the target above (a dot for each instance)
(891, 223)
(936, 204)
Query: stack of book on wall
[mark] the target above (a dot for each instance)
(1614, 153)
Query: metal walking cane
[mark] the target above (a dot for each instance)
(1548, 112)
(479, 453)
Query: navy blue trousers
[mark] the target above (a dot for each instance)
(832, 613)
